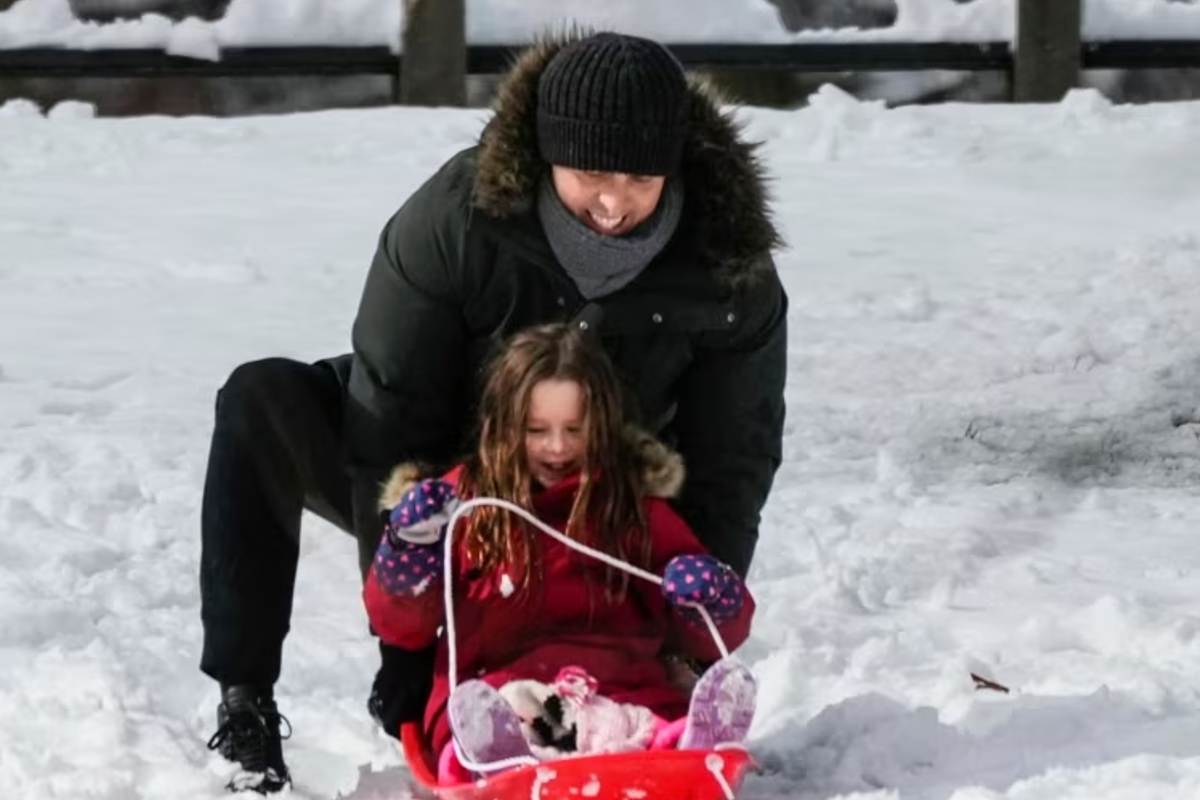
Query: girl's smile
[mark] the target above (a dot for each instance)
(555, 438)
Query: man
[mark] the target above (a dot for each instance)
(604, 191)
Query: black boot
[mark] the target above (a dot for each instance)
(248, 733)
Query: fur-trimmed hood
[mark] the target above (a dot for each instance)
(661, 470)
(726, 219)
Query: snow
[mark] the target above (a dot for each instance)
(32, 23)
(992, 446)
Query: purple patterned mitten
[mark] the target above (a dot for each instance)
(405, 568)
(705, 580)
(422, 513)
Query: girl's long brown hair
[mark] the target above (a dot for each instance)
(607, 512)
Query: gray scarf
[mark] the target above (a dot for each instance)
(598, 264)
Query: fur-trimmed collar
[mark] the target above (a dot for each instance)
(661, 470)
(725, 220)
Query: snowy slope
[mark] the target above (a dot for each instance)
(993, 443)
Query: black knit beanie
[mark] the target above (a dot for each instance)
(613, 103)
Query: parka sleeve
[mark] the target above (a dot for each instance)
(406, 385)
(403, 620)
(729, 422)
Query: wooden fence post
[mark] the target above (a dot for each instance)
(1047, 56)
(433, 69)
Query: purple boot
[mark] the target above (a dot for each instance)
(485, 726)
(722, 707)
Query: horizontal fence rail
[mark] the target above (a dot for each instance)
(235, 61)
(1141, 54)
(491, 59)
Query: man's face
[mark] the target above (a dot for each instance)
(610, 203)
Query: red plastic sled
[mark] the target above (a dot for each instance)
(643, 775)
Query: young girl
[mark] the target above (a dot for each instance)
(574, 646)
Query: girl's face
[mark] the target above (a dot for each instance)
(555, 438)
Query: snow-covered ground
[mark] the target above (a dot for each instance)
(993, 443)
(378, 22)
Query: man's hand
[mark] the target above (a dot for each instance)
(401, 687)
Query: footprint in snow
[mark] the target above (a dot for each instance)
(93, 384)
(91, 409)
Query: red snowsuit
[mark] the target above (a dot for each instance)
(559, 621)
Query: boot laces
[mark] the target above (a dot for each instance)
(249, 735)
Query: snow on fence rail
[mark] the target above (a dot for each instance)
(1042, 62)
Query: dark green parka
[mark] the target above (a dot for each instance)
(699, 336)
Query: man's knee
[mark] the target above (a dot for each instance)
(258, 391)
(250, 384)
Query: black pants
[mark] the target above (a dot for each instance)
(277, 450)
